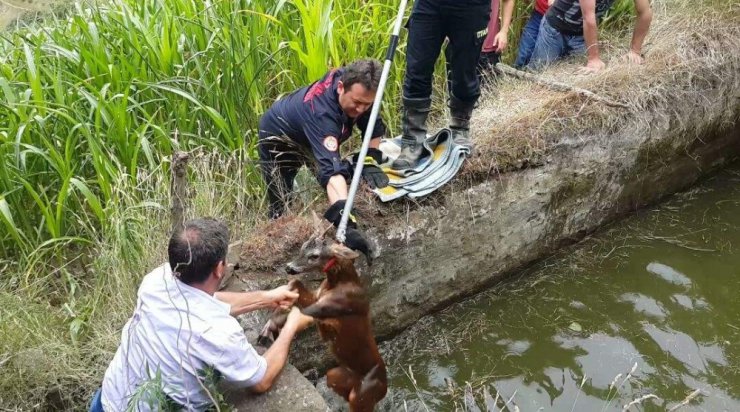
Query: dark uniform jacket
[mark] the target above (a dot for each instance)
(311, 117)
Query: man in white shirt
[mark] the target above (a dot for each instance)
(183, 331)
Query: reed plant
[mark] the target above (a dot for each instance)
(99, 94)
(94, 99)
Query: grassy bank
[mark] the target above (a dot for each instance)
(93, 99)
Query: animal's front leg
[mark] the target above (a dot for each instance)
(272, 328)
(306, 297)
(337, 303)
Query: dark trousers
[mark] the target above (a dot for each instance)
(279, 162)
(464, 23)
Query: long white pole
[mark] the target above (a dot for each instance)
(371, 123)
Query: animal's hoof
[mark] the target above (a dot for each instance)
(265, 341)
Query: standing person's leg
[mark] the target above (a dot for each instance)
(528, 39)
(422, 50)
(279, 165)
(549, 47)
(488, 55)
(466, 31)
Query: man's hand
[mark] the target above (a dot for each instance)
(593, 66)
(281, 297)
(298, 320)
(334, 214)
(633, 58)
(355, 240)
(500, 41)
(374, 176)
(371, 172)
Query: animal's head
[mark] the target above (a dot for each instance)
(319, 249)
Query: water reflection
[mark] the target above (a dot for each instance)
(649, 307)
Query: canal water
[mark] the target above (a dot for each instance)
(646, 308)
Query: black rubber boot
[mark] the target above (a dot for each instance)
(414, 125)
(460, 113)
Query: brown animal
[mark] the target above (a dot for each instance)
(342, 310)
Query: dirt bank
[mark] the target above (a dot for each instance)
(552, 168)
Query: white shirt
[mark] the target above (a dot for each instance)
(177, 331)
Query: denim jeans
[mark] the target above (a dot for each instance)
(96, 405)
(552, 45)
(528, 39)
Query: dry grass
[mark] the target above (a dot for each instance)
(692, 50)
(273, 243)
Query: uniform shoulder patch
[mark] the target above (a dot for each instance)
(331, 144)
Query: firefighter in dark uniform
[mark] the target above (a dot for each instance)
(464, 23)
(314, 121)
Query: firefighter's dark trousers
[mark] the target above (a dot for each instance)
(464, 23)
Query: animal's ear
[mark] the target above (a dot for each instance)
(343, 252)
(318, 227)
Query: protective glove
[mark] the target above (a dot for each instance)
(334, 214)
(353, 238)
(371, 172)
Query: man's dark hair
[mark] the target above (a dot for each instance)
(197, 248)
(365, 72)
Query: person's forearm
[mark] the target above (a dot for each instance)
(336, 189)
(591, 38)
(243, 302)
(642, 26)
(508, 12)
(276, 357)
(374, 143)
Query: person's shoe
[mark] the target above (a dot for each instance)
(413, 122)
(410, 154)
(460, 113)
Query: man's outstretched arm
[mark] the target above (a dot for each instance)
(591, 36)
(642, 26)
(277, 355)
(243, 302)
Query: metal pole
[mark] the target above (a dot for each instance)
(371, 123)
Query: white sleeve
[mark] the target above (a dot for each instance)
(234, 358)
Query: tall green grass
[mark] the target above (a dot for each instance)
(91, 99)
(98, 96)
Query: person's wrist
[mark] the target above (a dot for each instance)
(291, 326)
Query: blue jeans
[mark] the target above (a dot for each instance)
(528, 39)
(552, 45)
(96, 405)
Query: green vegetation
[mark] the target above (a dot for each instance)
(94, 100)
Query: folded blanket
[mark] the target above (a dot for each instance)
(439, 163)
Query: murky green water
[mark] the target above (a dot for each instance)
(658, 290)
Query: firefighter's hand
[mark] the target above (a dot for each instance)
(374, 176)
(355, 240)
(334, 214)
(371, 171)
